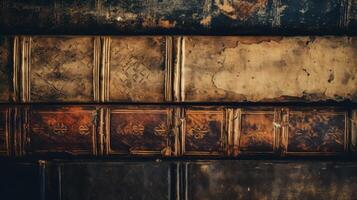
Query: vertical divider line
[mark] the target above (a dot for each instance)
(43, 182)
(229, 130)
(177, 69)
(277, 130)
(15, 69)
(105, 75)
(284, 132)
(347, 134)
(176, 130)
(168, 69)
(237, 116)
(25, 67)
(182, 65)
(107, 130)
(96, 68)
(354, 131)
(182, 131)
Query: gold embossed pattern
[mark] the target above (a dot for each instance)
(61, 69)
(137, 69)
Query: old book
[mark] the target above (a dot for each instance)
(267, 179)
(133, 180)
(179, 17)
(265, 69)
(67, 129)
(157, 69)
(175, 131)
(203, 131)
(59, 69)
(139, 130)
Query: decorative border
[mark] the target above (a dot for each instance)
(285, 140)
(238, 131)
(108, 115)
(223, 137)
(72, 151)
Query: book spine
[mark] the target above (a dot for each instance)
(165, 69)
(173, 130)
(181, 17)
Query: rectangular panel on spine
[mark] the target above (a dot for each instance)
(70, 129)
(257, 134)
(316, 132)
(139, 131)
(60, 69)
(138, 69)
(203, 131)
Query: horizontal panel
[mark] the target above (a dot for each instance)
(317, 131)
(260, 69)
(137, 69)
(61, 69)
(262, 179)
(179, 17)
(113, 180)
(257, 131)
(203, 132)
(70, 130)
(140, 131)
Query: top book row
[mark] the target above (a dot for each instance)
(159, 69)
(203, 17)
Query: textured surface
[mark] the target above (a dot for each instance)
(272, 180)
(111, 181)
(61, 69)
(5, 68)
(178, 17)
(257, 131)
(3, 137)
(139, 131)
(316, 131)
(137, 69)
(287, 69)
(66, 130)
(204, 132)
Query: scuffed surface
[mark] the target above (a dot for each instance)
(137, 69)
(270, 180)
(63, 130)
(316, 131)
(61, 69)
(116, 180)
(177, 17)
(204, 131)
(5, 68)
(257, 134)
(138, 130)
(286, 68)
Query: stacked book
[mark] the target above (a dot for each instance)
(124, 83)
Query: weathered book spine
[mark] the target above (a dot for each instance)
(173, 130)
(162, 69)
(179, 17)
